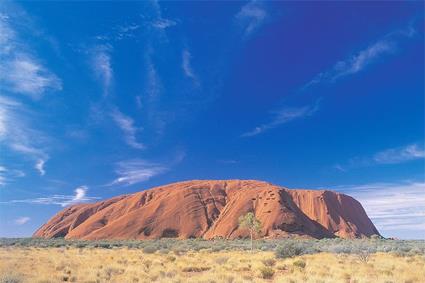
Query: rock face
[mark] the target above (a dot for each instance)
(210, 209)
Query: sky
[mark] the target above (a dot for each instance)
(99, 99)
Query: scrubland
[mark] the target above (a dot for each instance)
(348, 261)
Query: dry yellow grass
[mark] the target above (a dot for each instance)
(132, 265)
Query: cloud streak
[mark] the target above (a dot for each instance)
(136, 171)
(17, 133)
(399, 155)
(358, 62)
(21, 72)
(250, 17)
(126, 124)
(187, 66)
(22, 220)
(79, 196)
(402, 154)
(40, 166)
(163, 23)
(392, 206)
(7, 175)
(133, 171)
(101, 64)
(283, 116)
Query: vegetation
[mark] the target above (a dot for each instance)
(35, 264)
(283, 248)
(250, 222)
(196, 260)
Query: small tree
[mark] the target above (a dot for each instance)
(250, 222)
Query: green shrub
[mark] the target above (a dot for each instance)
(266, 272)
(269, 262)
(289, 249)
(195, 268)
(299, 263)
(149, 249)
(164, 251)
(10, 278)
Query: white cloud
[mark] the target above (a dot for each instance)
(7, 175)
(17, 133)
(400, 154)
(21, 72)
(22, 220)
(119, 32)
(24, 75)
(396, 155)
(79, 196)
(187, 66)
(126, 31)
(101, 64)
(159, 22)
(139, 101)
(392, 206)
(359, 61)
(157, 118)
(163, 23)
(251, 17)
(153, 81)
(40, 166)
(136, 171)
(284, 116)
(126, 124)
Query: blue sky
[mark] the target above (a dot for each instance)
(99, 99)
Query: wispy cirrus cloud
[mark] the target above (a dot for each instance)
(136, 171)
(395, 155)
(250, 17)
(163, 23)
(401, 154)
(101, 64)
(127, 125)
(24, 75)
(21, 71)
(79, 196)
(187, 67)
(18, 133)
(22, 220)
(283, 116)
(356, 63)
(392, 206)
(160, 22)
(7, 175)
(40, 166)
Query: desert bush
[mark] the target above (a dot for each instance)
(195, 268)
(299, 263)
(164, 251)
(289, 249)
(150, 249)
(363, 256)
(293, 246)
(222, 260)
(269, 262)
(266, 272)
(10, 278)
